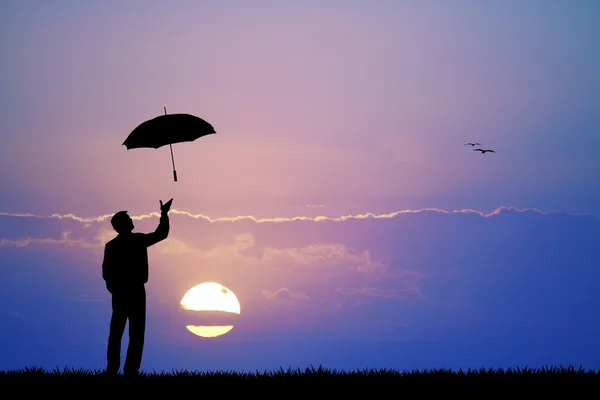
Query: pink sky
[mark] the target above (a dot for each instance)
(360, 105)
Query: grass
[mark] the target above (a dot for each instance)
(38, 382)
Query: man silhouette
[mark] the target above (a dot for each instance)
(125, 271)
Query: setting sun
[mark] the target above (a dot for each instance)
(210, 296)
(209, 331)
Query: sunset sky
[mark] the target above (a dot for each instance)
(336, 200)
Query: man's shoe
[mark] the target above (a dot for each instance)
(131, 374)
(110, 374)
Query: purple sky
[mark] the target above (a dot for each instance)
(338, 108)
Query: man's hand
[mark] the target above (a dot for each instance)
(164, 208)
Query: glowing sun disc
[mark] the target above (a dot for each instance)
(209, 331)
(210, 296)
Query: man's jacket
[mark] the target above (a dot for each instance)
(125, 261)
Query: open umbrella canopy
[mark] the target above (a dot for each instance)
(168, 129)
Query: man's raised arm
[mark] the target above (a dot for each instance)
(162, 230)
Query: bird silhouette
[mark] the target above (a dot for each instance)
(472, 144)
(484, 151)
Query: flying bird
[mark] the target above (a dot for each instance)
(472, 144)
(484, 151)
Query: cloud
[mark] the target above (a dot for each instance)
(323, 254)
(455, 273)
(368, 215)
(64, 240)
(284, 295)
(373, 292)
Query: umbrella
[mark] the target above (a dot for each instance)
(168, 129)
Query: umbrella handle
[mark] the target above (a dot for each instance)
(173, 161)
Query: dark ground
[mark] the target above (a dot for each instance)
(37, 383)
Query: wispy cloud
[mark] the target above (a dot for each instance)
(64, 240)
(375, 292)
(438, 274)
(284, 295)
(366, 215)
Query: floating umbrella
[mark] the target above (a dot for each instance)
(168, 129)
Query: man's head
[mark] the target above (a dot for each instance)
(122, 222)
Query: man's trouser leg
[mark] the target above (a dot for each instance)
(117, 327)
(137, 329)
